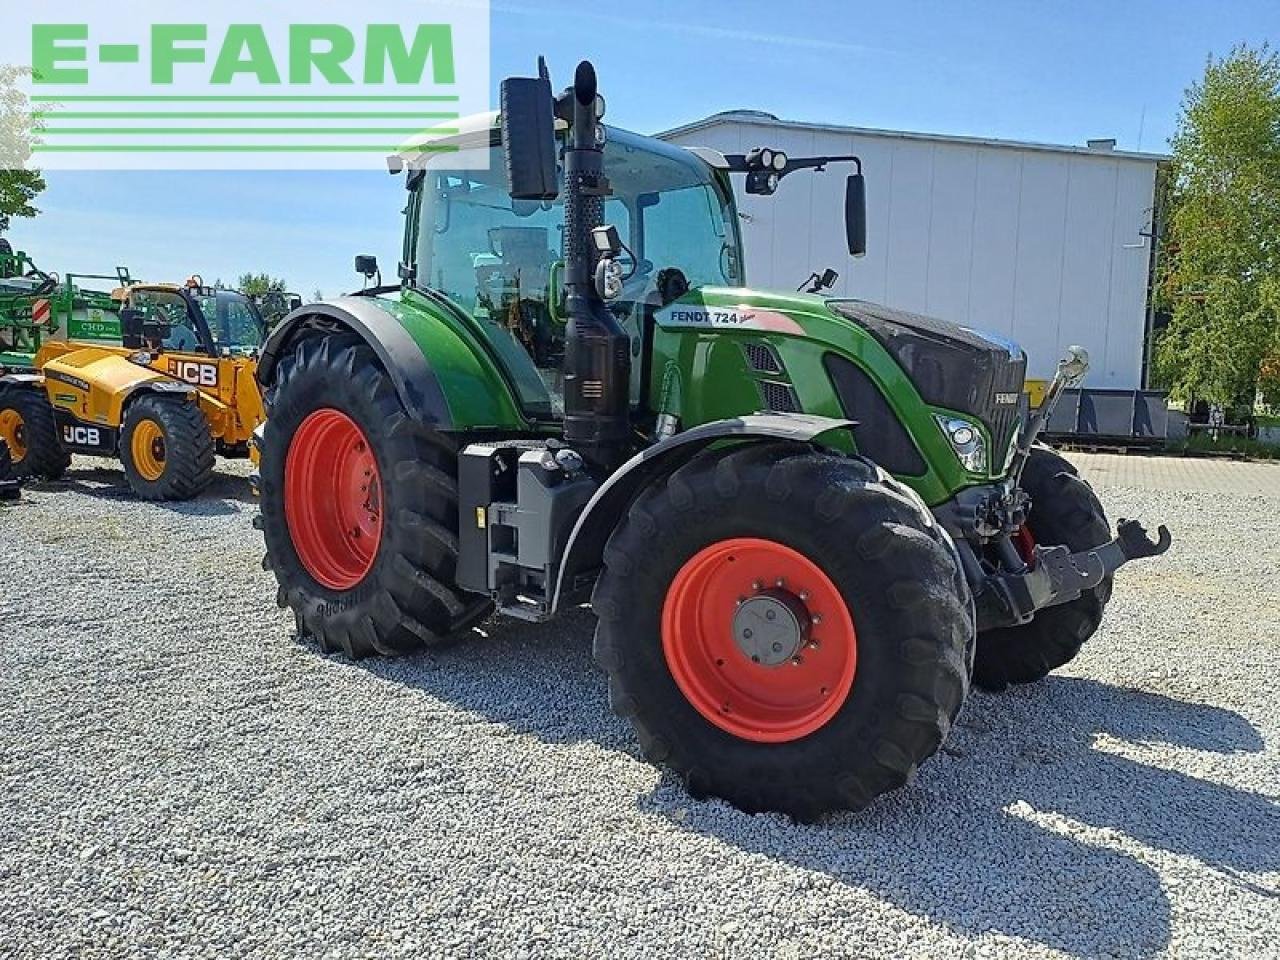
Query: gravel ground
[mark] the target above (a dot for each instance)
(180, 777)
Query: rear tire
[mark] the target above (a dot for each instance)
(872, 554)
(29, 427)
(394, 590)
(1064, 512)
(166, 448)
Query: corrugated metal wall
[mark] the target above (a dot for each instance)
(1042, 246)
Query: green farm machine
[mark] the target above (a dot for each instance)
(805, 524)
(36, 306)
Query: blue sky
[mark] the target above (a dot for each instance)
(1054, 72)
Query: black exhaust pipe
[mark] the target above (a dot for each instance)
(597, 359)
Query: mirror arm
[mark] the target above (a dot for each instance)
(738, 163)
(819, 164)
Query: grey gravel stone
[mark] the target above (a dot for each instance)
(179, 777)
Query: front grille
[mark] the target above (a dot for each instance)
(778, 397)
(1004, 419)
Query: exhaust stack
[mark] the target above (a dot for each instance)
(597, 362)
(597, 359)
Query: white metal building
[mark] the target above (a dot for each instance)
(1047, 245)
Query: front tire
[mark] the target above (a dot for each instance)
(359, 507)
(28, 427)
(1064, 511)
(166, 448)
(844, 558)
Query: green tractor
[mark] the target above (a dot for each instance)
(805, 524)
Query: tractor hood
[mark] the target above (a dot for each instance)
(894, 373)
(951, 366)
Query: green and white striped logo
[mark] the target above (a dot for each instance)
(140, 84)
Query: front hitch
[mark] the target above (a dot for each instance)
(1055, 575)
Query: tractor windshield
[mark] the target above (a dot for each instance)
(501, 260)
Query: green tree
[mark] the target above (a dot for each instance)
(18, 134)
(1220, 278)
(259, 284)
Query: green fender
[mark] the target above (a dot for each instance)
(584, 552)
(444, 374)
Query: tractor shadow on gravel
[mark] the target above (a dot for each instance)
(1029, 823)
(1026, 824)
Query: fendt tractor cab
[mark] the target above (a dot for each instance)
(176, 387)
(804, 523)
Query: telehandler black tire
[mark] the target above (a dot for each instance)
(1064, 511)
(359, 507)
(9, 484)
(166, 448)
(773, 534)
(40, 454)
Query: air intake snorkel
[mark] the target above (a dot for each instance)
(597, 362)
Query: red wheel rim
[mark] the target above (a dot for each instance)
(333, 499)
(769, 681)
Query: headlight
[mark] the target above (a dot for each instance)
(779, 162)
(967, 442)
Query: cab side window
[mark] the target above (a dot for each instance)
(500, 260)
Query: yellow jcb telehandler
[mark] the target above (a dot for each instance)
(177, 389)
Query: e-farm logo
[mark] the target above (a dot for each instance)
(140, 84)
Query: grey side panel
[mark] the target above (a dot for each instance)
(414, 380)
(602, 513)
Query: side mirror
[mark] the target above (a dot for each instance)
(131, 328)
(529, 137)
(367, 266)
(855, 214)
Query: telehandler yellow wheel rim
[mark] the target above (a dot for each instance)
(147, 450)
(13, 431)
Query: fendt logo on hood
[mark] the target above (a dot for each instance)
(690, 317)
